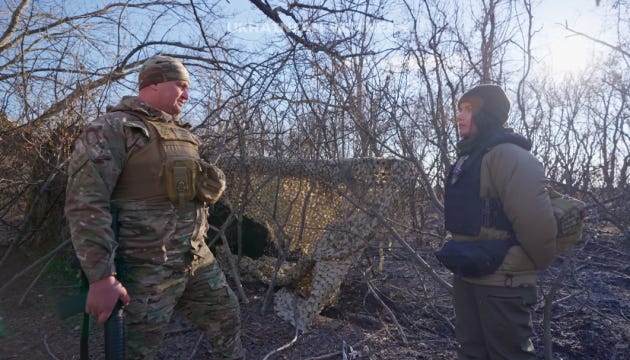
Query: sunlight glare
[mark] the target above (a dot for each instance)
(569, 55)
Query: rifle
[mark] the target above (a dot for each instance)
(115, 334)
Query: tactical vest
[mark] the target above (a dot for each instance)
(164, 169)
(465, 211)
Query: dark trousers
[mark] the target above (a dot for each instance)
(493, 322)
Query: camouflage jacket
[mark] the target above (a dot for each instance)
(149, 232)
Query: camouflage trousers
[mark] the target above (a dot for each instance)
(204, 297)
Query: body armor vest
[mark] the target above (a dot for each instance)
(164, 169)
(465, 211)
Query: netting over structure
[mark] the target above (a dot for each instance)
(325, 211)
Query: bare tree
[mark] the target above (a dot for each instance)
(342, 79)
(60, 65)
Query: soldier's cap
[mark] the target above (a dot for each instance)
(160, 68)
(490, 105)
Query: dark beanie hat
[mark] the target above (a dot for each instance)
(159, 68)
(490, 105)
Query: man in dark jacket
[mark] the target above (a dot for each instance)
(496, 203)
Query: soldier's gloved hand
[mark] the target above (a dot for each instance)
(103, 295)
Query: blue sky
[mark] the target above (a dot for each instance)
(554, 45)
(558, 49)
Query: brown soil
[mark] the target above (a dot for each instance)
(591, 316)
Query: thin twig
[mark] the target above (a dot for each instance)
(549, 300)
(570, 296)
(234, 270)
(381, 219)
(337, 353)
(29, 268)
(389, 311)
(48, 348)
(283, 255)
(196, 345)
(286, 346)
(33, 207)
(41, 272)
(331, 355)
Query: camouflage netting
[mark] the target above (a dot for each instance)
(327, 212)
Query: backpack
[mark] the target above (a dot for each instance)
(570, 213)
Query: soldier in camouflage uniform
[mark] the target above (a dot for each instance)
(140, 162)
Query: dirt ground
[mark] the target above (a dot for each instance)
(399, 313)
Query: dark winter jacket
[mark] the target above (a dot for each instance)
(513, 176)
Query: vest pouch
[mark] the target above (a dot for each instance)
(570, 213)
(180, 175)
(474, 258)
(210, 183)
